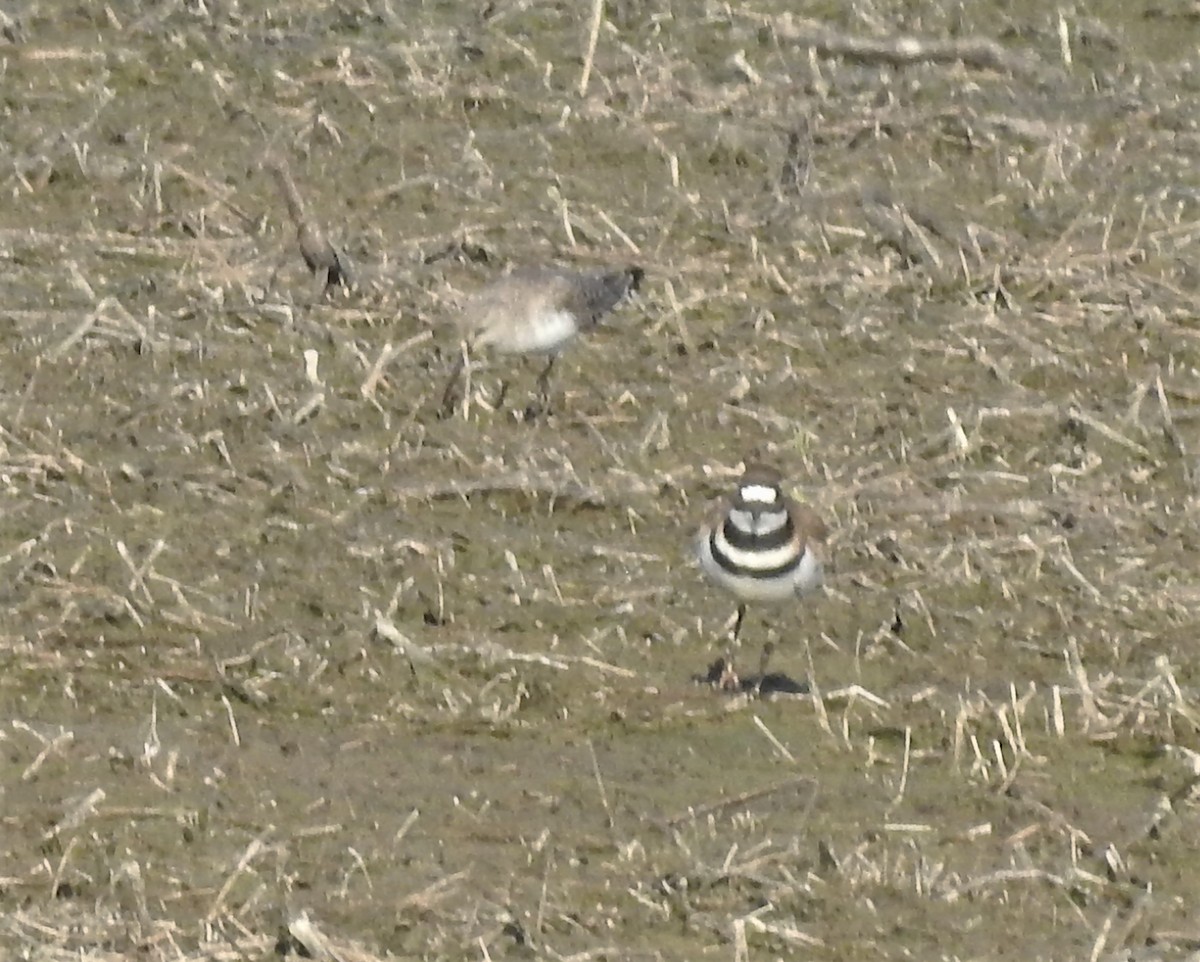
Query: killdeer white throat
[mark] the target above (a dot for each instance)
(761, 546)
(538, 310)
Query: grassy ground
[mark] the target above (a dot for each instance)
(290, 663)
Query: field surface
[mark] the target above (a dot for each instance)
(291, 663)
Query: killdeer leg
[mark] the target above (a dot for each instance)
(768, 649)
(450, 396)
(729, 680)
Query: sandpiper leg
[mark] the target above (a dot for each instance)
(542, 404)
(450, 396)
(501, 395)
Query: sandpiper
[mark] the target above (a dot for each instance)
(760, 546)
(327, 263)
(538, 310)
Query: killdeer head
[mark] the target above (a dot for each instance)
(761, 546)
(538, 310)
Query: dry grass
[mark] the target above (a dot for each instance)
(288, 663)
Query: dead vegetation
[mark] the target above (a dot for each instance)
(289, 664)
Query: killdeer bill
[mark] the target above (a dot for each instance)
(760, 546)
(327, 263)
(537, 310)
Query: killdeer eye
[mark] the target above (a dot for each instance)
(763, 493)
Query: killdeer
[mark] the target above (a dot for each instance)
(760, 546)
(538, 310)
(327, 263)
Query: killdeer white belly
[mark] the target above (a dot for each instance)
(761, 546)
(538, 310)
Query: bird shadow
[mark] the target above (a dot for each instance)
(720, 675)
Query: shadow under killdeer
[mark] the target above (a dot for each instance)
(537, 310)
(761, 546)
(328, 264)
